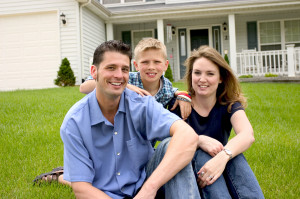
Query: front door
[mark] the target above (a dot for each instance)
(199, 37)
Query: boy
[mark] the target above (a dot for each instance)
(151, 62)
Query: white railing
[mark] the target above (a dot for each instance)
(259, 63)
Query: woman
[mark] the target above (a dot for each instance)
(217, 106)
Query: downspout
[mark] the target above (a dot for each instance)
(81, 36)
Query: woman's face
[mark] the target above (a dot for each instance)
(205, 77)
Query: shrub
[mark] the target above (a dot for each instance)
(270, 75)
(226, 58)
(168, 74)
(246, 76)
(65, 75)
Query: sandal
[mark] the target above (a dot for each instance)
(50, 176)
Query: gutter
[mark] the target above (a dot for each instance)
(81, 5)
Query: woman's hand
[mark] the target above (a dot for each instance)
(210, 145)
(185, 108)
(212, 170)
(138, 90)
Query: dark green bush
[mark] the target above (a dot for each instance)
(270, 75)
(246, 76)
(226, 58)
(65, 75)
(168, 74)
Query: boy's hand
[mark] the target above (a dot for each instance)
(185, 108)
(138, 90)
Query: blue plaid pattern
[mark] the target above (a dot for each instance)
(164, 95)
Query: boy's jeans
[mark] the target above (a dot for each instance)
(237, 181)
(181, 186)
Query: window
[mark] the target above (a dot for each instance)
(111, 1)
(126, 1)
(292, 32)
(277, 34)
(270, 36)
(139, 35)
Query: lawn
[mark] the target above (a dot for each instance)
(30, 143)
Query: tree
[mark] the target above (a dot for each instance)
(168, 74)
(65, 75)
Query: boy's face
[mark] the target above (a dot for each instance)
(151, 64)
(112, 74)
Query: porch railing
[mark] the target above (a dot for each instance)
(259, 63)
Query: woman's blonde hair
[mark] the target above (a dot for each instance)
(149, 43)
(229, 91)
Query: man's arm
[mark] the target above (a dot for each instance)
(180, 152)
(86, 190)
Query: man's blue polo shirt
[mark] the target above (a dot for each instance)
(113, 157)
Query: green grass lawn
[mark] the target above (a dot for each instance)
(30, 143)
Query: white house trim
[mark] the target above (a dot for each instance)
(232, 42)
(160, 30)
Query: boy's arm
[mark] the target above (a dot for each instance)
(180, 152)
(138, 90)
(184, 104)
(87, 86)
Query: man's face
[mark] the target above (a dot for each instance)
(151, 64)
(112, 75)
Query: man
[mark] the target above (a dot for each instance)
(107, 138)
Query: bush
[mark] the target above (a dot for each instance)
(65, 75)
(246, 76)
(270, 75)
(168, 74)
(226, 58)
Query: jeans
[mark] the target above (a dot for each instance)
(237, 181)
(182, 186)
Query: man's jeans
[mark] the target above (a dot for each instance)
(237, 181)
(181, 186)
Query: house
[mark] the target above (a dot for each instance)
(259, 36)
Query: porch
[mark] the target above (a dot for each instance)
(279, 62)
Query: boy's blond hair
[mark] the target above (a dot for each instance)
(149, 43)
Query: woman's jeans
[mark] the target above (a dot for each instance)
(237, 181)
(182, 186)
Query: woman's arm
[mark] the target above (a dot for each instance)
(213, 169)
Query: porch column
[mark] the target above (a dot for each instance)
(291, 63)
(109, 31)
(160, 30)
(232, 42)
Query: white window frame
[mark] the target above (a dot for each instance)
(283, 43)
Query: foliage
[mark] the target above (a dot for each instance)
(168, 74)
(31, 144)
(270, 75)
(65, 75)
(246, 76)
(226, 58)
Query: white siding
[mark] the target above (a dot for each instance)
(93, 34)
(68, 33)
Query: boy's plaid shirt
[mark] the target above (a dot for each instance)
(163, 96)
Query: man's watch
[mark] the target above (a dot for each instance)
(228, 152)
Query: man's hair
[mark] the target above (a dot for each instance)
(229, 91)
(149, 43)
(111, 46)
